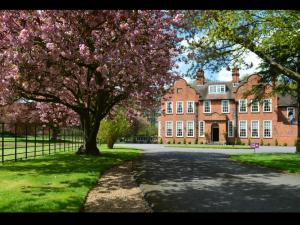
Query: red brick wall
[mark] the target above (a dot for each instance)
(282, 130)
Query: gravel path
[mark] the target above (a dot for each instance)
(116, 191)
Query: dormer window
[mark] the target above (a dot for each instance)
(235, 84)
(216, 89)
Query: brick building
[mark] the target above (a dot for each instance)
(217, 112)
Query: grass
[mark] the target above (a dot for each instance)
(289, 162)
(55, 183)
(211, 146)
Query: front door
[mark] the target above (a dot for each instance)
(215, 133)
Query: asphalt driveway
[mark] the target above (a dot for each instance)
(205, 180)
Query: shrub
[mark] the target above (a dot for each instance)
(189, 142)
(261, 142)
(268, 144)
(276, 142)
(168, 142)
(243, 143)
(249, 141)
(284, 144)
(184, 141)
(297, 141)
(173, 141)
(179, 142)
(201, 142)
(196, 141)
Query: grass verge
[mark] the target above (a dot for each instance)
(55, 183)
(211, 146)
(288, 162)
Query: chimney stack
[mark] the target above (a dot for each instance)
(200, 80)
(235, 75)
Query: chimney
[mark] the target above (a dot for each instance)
(235, 75)
(200, 80)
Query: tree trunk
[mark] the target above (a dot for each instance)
(298, 118)
(90, 130)
(110, 142)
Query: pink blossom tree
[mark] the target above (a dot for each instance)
(86, 61)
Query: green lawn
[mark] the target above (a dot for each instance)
(55, 183)
(289, 162)
(211, 146)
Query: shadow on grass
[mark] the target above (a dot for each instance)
(64, 163)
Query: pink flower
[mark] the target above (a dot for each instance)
(124, 26)
(50, 46)
(24, 36)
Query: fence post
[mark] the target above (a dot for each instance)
(2, 142)
(34, 140)
(15, 142)
(43, 140)
(54, 145)
(49, 130)
(26, 141)
(64, 140)
(59, 143)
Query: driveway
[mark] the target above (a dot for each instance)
(205, 180)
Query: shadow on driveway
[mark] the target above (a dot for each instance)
(210, 182)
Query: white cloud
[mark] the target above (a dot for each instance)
(225, 75)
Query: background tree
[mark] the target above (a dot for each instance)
(217, 39)
(113, 127)
(86, 61)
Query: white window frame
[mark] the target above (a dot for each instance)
(203, 122)
(228, 106)
(187, 128)
(240, 106)
(235, 84)
(287, 111)
(257, 129)
(270, 105)
(209, 106)
(271, 128)
(166, 129)
(245, 128)
(159, 129)
(177, 128)
(257, 106)
(187, 107)
(232, 128)
(167, 107)
(177, 103)
(217, 88)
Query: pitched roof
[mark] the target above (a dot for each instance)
(202, 90)
(287, 100)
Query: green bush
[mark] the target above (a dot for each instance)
(196, 141)
(284, 144)
(249, 141)
(276, 142)
(268, 144)
(168, 142)
(184, 141)
(243, 143)
(173, 141)
(297, 141)
(261, 142)
(161, 141)
(201, 142)
(179, 142)
(189, 142)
